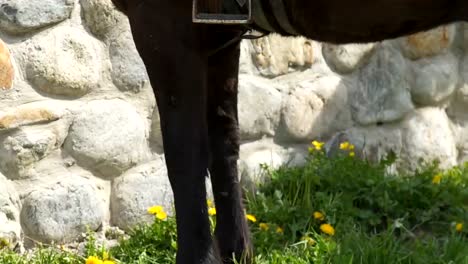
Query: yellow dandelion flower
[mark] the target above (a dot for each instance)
(161, 215)
(212, 211)
(345, 145)
(436, 179)
(251, 218)
(327, 229)
(93, 260)
(317, 144)
(319, 216)
(108, 262)
(154, 210)
(352, 154)
(264, 226)
(310, 241)
(459, 227)
(209, 203)
(279, 230)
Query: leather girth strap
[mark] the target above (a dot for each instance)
(279, 15)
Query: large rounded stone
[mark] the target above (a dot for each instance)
(65, 62)
(100, 16)
(275, 55)
(335, 114)
(427, 136)
(62, 211)
(20, 16)
(7, 72)
(108, 136)
(128, 70)
(302, 109)
(137, 190)
(345, 59)
(265, 152)
(259, 107)
(428, 43)
(10, 228)
(382, 92)
(434, 79)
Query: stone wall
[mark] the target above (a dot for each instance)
(80, 145)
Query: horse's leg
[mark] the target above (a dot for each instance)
(231, 228)
(170, 47)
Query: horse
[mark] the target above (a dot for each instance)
(193, 69)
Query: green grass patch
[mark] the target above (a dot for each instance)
(331, 210)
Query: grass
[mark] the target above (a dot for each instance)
(332, 210)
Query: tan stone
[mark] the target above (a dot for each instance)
(26, 116)
(7, 72)
(428, 43)
(275, 55)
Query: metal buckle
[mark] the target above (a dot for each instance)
(221, 18)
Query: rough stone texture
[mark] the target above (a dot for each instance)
(434, 80)
(429, 43)
(28, 114)
(21, 16)
(101, 17)
(61, 211)
(80, 145)
(27, 146)
(301, 110)
(10, 228)
(260, 94)
(108, 145)
(382, 93)
(128, 70)
(347, 58)
(65, 62)
(427, 136)
(137, 190)
(275, 56)
(7, 72)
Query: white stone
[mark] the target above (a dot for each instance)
(259, 107)
(427, 137)
(108, 137)
(345, 59)
(137, 190)
(64, 62)
(21, 16)
(61, 211)
(301, 113)
(253, 155)
(10, 228)
(435, 79)
(382, 92)
(335, 114)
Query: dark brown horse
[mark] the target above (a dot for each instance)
(195, 82)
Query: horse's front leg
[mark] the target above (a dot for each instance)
(169, 44)
(231, 232)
